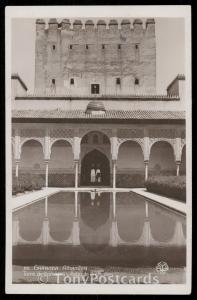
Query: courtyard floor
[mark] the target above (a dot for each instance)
(22, 200)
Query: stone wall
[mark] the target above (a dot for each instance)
(95, 55)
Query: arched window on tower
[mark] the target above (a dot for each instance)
(85, 139)
(137, 82)
(53, 86)
(137, 52)
(105, 139)
(95, 139)
(118, 81)
(72, 81)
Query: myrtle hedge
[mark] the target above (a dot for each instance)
(27, 182)
(170, 186)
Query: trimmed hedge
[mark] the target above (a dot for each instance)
(27, 182)
(170, 186)
(134, 180)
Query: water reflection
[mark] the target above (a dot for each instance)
(96, 220)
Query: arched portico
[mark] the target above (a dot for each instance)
(61, 164)
(130, 164)
(162, 159)
(95, 160)
(95, 154)
(32, 157)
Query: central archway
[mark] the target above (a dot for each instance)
(95, 159)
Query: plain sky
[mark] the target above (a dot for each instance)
(170, 50)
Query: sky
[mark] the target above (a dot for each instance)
(170, 50)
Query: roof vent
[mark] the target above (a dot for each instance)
(95, 108)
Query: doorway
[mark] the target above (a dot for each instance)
(95, 160)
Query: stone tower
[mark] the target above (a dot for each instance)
(95, 59)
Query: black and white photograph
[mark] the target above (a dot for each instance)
(98, 144)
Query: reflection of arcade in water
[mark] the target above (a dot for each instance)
(97, 219)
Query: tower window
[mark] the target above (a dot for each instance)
(86, 46)
(71, 46)
(117, 80)
(53, 47)
(119, 46)
(137, 81)
(103, 46)
(137, 53)
(95, 88)
(72, 81)
(105, 139)
(53, 81)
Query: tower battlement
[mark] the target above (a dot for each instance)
(101, 57)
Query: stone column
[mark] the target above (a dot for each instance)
(46, 172)
(76, 173)
(146, 169)
(17, 167)
(178, 168)
(76, 204)
(114, 173)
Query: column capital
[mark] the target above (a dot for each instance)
(178, 162)
(46, 161)
(146, 162)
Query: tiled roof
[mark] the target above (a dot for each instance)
(110, 114)
(134, 97)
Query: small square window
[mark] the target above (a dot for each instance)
(71, 46)
(119, 46)
(95, 88)
(136, 81)
(117, 80)
(72, 81)
(136, 46)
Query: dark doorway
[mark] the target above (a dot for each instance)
(95, 160)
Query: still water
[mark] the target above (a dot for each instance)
(98, 229)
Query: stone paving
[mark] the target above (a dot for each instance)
(171, 203)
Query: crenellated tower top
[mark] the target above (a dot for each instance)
(116, 56)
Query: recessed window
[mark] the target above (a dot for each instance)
(53, 81)
(119, 46)
(85, 140)
(71, 46)
(137, 53)
(103, 46)
(53, 47)
(95, 88)
(95, 139)
(72, 81)
(117, 80)
(86, 46)
(137, 81)
(105, 140)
